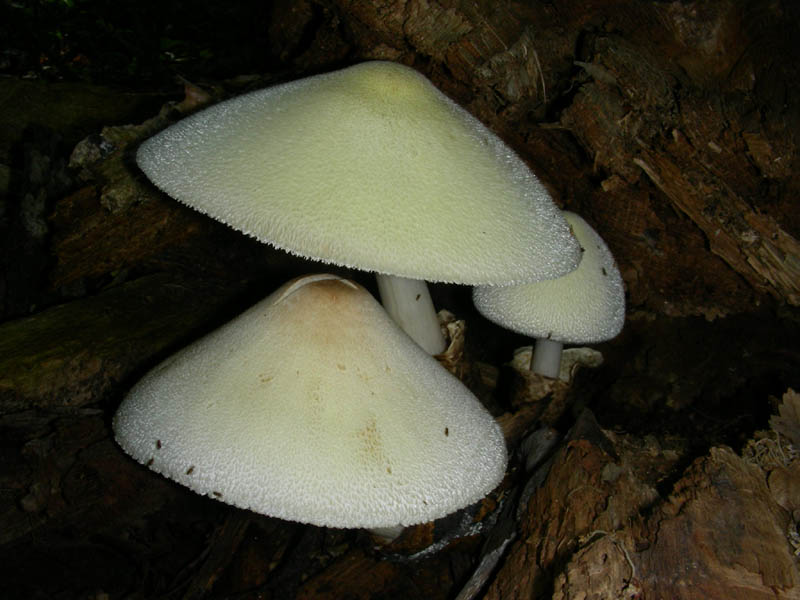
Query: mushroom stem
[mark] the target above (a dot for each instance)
(409, 303)
(547, 358)
(387, 534)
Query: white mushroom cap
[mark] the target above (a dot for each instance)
(369, 167)
(582, 307)
(313, 406)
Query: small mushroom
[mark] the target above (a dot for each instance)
(369, 167)
(313, 406)
(582, 307)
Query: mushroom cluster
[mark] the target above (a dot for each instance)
(314, 405)
(370, 167)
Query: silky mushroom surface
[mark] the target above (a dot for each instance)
(313, 406)
(370, 167)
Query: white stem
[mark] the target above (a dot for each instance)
(409, 303)
(547, 358)
(387, 534)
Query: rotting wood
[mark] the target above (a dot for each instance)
(596, 528)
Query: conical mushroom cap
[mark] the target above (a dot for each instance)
(313, 406)
(369, 167)
(582, 307)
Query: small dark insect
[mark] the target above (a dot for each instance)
(604, 271)
(549, 335)
(149, 463)
(158, 444)
(447, 431)
(190, 470)
(583, 249)
(418, 297)
(217, 494)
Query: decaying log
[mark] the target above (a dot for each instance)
(73, 355)
(598, 528)
(720, 535)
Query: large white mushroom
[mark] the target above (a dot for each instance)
(313, 406)
(582, 307)
(374, 168)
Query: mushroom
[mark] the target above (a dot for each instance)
(582, 307)
(369, 167)
(313, 406)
